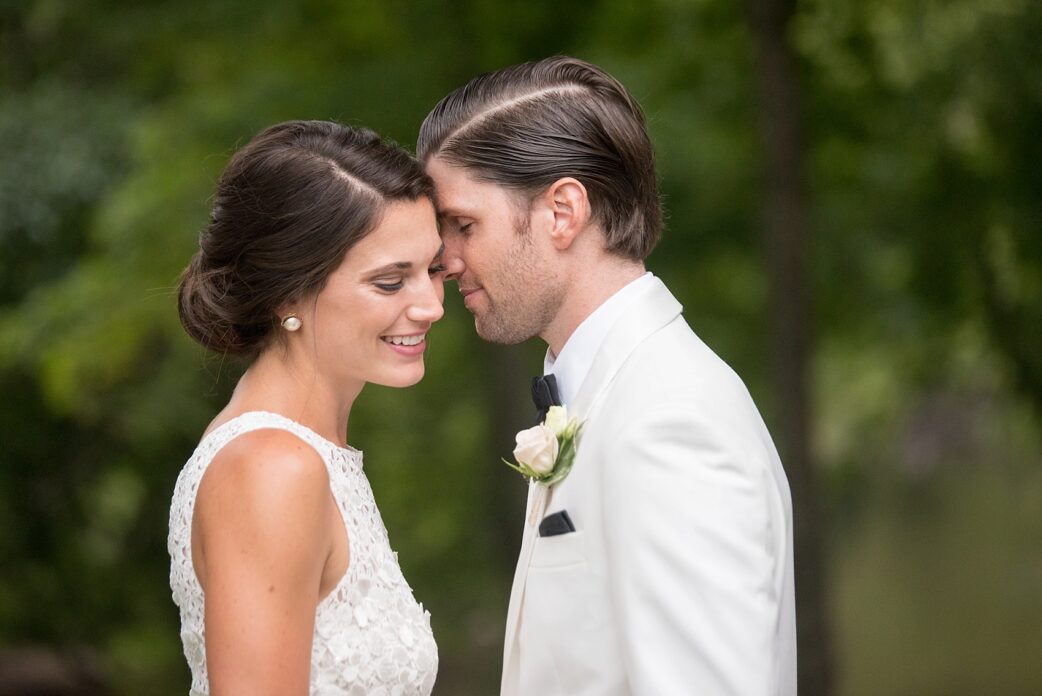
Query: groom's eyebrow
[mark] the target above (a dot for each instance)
(450, 212)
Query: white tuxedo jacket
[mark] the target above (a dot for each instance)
(679, 576)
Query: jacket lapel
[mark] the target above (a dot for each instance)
(538, 498)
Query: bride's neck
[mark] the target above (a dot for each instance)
(298, 391)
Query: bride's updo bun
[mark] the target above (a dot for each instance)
(288, 207)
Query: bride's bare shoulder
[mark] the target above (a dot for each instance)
(262, 477)
(269, 456)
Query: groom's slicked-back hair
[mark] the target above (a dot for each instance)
(526, 126)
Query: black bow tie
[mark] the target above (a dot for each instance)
(544, 395)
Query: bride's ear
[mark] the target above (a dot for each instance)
(566, 199)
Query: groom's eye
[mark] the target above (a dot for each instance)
(464, 229)
(436, 269)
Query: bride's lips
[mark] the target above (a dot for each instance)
(407, 350)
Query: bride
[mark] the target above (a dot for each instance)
(321, 266)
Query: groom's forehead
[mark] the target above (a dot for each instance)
(453, 186)
(461, 194)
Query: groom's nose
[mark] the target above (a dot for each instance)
(454, 266)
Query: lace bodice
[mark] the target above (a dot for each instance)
(371, 637)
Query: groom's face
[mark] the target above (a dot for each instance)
(505, 268)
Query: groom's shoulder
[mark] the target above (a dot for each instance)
(675, 365)
(678, 351)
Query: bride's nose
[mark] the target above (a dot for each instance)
(426, 306)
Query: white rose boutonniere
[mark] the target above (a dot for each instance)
(545, 452)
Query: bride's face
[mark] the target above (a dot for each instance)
(370, 321)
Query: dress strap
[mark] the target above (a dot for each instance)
(260, 420)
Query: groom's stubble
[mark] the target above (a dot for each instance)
(524, 296)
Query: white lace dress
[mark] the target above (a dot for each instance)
(371, 636)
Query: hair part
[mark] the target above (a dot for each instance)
(529, 125)
(288, 207)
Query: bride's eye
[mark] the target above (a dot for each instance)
(390, 287)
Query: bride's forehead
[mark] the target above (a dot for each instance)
(390, 244)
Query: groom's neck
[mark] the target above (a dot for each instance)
(590, 284)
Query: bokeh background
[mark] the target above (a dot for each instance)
(854, 194)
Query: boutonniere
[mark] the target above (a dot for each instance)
(545, 452)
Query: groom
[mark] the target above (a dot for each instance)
(662, 565)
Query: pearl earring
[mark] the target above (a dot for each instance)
(291, 323)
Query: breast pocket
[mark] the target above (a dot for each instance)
(558, 583)
(559, 551)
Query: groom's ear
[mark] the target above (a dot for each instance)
(569, 204)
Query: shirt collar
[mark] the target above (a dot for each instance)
(572, 364)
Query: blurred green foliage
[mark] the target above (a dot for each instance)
(924, 126)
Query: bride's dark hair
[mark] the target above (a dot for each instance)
(288, 207)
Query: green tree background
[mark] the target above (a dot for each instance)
(922, 137)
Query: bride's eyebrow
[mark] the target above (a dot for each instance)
(396, 266)
(400, 265)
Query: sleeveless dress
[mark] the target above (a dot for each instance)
(371, 637)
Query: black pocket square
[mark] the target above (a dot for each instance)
(556, 524)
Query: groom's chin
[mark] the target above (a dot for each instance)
(499, 334)
(501, 341)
